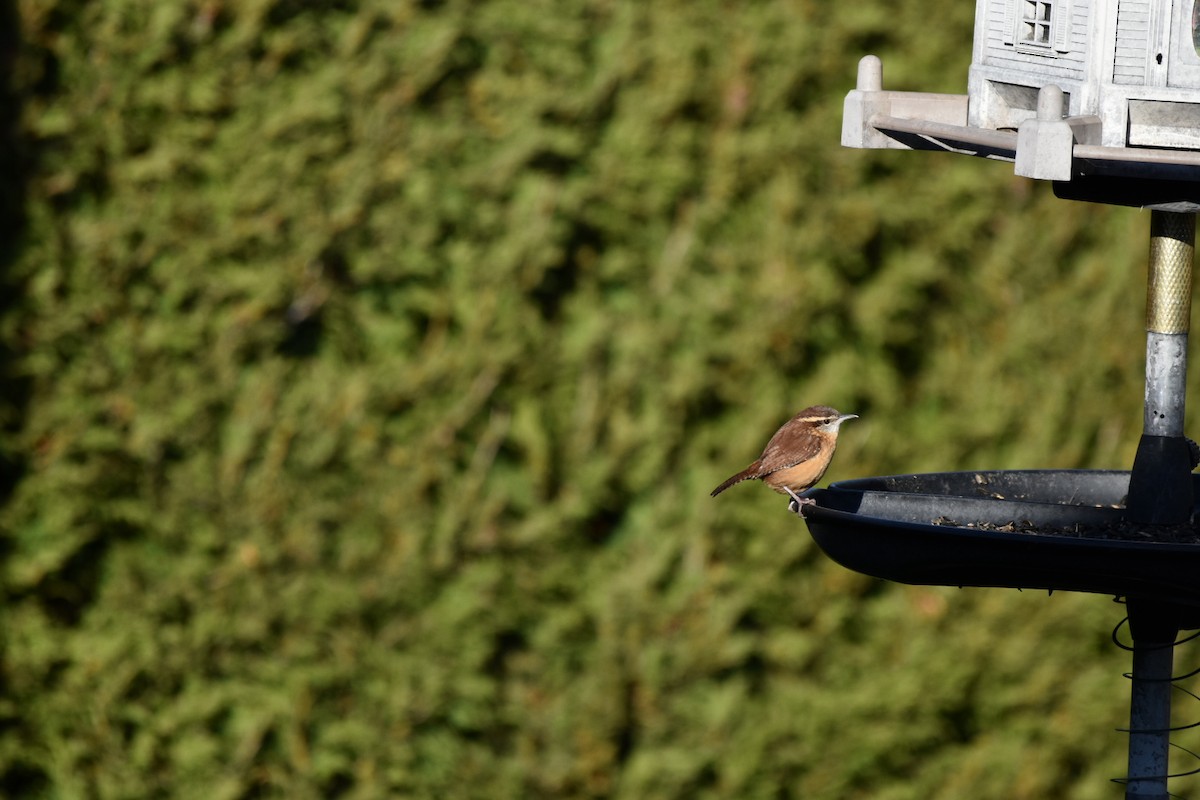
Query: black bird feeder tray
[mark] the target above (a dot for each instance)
(1063, 530)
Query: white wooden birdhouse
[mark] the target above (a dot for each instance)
(1092, 93)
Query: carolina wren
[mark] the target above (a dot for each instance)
(797, 455)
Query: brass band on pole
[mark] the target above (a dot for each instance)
(1169, 294)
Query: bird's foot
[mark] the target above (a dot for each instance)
(798, 506)
(797, 503)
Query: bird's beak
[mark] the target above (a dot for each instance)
(845, 417)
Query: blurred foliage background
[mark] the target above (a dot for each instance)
(367, 365)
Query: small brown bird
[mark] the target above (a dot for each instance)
(797, 455)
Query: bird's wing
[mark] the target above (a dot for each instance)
(787, 448)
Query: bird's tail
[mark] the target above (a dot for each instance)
(745, 475)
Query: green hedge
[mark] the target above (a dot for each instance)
(367, 367)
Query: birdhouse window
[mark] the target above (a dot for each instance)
(1042, 28)
(1037, 18)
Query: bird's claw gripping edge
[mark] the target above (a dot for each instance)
(797, 503)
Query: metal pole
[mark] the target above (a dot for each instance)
(1149, 721)
(1150, 702)
(1160, 490)
(1160, 487)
